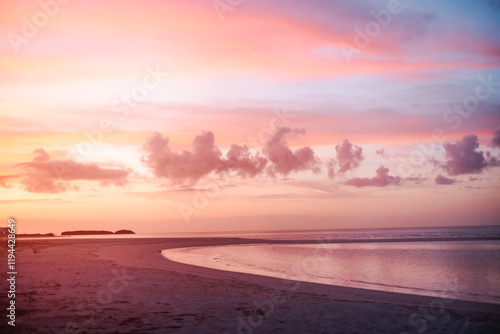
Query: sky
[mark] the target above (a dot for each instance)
(219, 115)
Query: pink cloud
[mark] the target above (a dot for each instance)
(184, 166)
(4, 180)
(381, 180)
(41, 155)
(240, 159)
(205, 158)
(348, 156)
(283, 159)
(190, 166)
(330, 167)
(43, 175)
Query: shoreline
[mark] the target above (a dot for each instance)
(125, 285)
(315, 266)
(242, 236)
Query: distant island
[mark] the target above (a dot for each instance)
(124, 232)
(31, 235)
(83, 232)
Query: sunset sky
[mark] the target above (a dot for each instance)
(218, 115)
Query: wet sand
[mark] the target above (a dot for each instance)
(127, 286)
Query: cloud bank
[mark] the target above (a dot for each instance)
(275, 158)
(205, 158)
(43, 175)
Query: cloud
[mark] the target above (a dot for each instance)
(5, 178)
(205, 158)
(188, 167)
(184, 166)
(381, 180)
(495, 142)
(415, 179)
(283, 159)
(491, 160)
(330, 166)
(43, 175)
(440, 179)
(380, 152)
(41, 155)
(40, 184)
(348, 156)
(240, 159)
(463, 157)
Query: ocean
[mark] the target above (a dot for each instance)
(447, 262)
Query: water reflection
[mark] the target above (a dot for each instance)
(467, 270)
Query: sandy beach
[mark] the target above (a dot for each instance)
(127, 286)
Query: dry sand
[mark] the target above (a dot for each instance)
(127, 286)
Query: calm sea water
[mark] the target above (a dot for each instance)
(466, 270)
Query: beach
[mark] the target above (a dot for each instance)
(125, 285)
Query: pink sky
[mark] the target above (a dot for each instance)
(169, 116)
